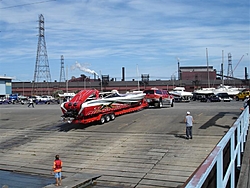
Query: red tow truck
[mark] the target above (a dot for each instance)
(158, 97)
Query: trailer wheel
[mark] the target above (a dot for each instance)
(112, 116)
(102, 120)
(107, 118)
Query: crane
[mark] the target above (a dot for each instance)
(238, 62)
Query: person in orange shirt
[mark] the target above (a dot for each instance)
(57, 169)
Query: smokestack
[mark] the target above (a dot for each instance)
(123, 74)
(246, 74)
(179, 71)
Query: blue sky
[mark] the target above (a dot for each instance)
(144, 36)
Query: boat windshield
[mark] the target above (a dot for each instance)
(112, 95)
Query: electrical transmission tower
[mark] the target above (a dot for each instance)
(230, 67)
(62, 73)
(42, 72)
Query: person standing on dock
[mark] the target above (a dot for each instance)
(57, 169)
(246, 101)
(189, 125)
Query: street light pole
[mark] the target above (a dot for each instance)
(173, 78)
(23, 88)
(101, 79)
(84, 82)
(67, 86)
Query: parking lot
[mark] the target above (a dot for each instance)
(142, 149)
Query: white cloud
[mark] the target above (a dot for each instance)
(111, 34)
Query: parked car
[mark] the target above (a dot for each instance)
(224, 97)
(3, 100)
(242, 95)
(203, 99)
(214, 98)
(47, 98)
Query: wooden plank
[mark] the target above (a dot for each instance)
(125, 154)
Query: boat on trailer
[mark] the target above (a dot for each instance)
(93, 106)
(180, 95)
(230, 90)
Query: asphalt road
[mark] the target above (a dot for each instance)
(166, 120)
(141, 149)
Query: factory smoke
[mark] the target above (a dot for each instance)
(82, 68)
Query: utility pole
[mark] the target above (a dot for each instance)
(62, 72)
(179, 70)
(222, 65)
(230, 68)
(42, 72)
(208, 79)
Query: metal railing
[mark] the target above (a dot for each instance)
(220, 167)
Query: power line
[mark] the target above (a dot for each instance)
(27, 4)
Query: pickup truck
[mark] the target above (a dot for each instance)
(157, 97)
(13, 98)
(44, 99)
(47, 98)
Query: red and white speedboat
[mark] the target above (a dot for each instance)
(91, 105)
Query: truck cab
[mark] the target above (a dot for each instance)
(13, 97)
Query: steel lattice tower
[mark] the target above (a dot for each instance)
(42, 72)
(230, 68)
(62, 73)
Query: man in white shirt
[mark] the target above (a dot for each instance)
(189, 125)
(31, 103)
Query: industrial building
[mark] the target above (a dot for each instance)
(5, 86)
(190, 77)
(196, 73)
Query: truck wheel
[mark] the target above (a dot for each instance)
(107, 118)
(159, 104)
(112, 116)
(102, 120)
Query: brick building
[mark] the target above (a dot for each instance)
(197, 73)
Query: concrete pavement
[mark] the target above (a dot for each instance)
(143, 149)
